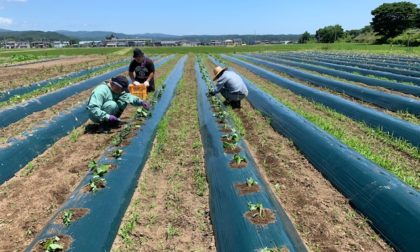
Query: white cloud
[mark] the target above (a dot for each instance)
(5, 21)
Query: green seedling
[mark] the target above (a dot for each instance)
(238, 159)
(142, 112)
(160, 93)
(117, 153)
(67, 216)
(102, 169)
(251, 182)
(232, 137)
(92, 165)
(52, 244)
(256, 207)
(95, 183)
(118, 138)
(231, 146)
(222, 115)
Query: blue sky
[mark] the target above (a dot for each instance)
(182, 17)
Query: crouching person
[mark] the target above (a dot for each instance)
(109, 99)
(230, 85)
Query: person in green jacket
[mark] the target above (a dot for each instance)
(109, 99)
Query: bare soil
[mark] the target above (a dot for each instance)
(245, 189)
(265, 218)
(48, 180)
(77, 214)
(16, 76)
(235, 165)
(166, 212)
(235, 150)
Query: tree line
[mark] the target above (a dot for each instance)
(396, 23)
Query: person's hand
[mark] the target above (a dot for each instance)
(147, 83)
(113, 119)
(136, 83)
(211, 93)
(145, 105)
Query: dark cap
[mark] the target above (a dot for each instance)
(137, 53)
(121, 81)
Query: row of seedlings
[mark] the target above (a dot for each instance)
(103, 195)
(40, 138)
(385, 200)
(230, 165)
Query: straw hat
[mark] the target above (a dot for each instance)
(218, 71)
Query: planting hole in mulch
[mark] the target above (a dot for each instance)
(77, 214)
(225, 130)
(227, 140)
(235, 150)
(64, 240)
(245, 189)
(234, 164)
(266, 218)
(99, 185)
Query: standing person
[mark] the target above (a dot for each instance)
(230, 85)
(108, 101)
(142, 70)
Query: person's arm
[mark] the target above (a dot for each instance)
(94, 106)
(151, 75)
(131, 71)
(151, 68)
(131, 74)
(129, 98)
(220, 84)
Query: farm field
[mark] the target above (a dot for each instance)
(323, 155)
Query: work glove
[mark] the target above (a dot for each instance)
(147, 83)
(113, 119)
(145, 105)
(136, 83)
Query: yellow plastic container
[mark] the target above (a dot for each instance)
(138, 90)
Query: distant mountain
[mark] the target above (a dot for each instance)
(100, 35)
(32, 35)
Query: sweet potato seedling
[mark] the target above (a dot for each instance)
(96, 182)
(230, 146)
(52, 244)
(239, 159)
(232, 137)
(67, 216)
(102, 169)
(92, 165)
(221, 116)
(251, 182)
(256, 207)
(142, 113)
(117, 153)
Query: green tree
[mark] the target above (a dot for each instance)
(391, 19)
(329, 34)
(304, 38)
(418, 19)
